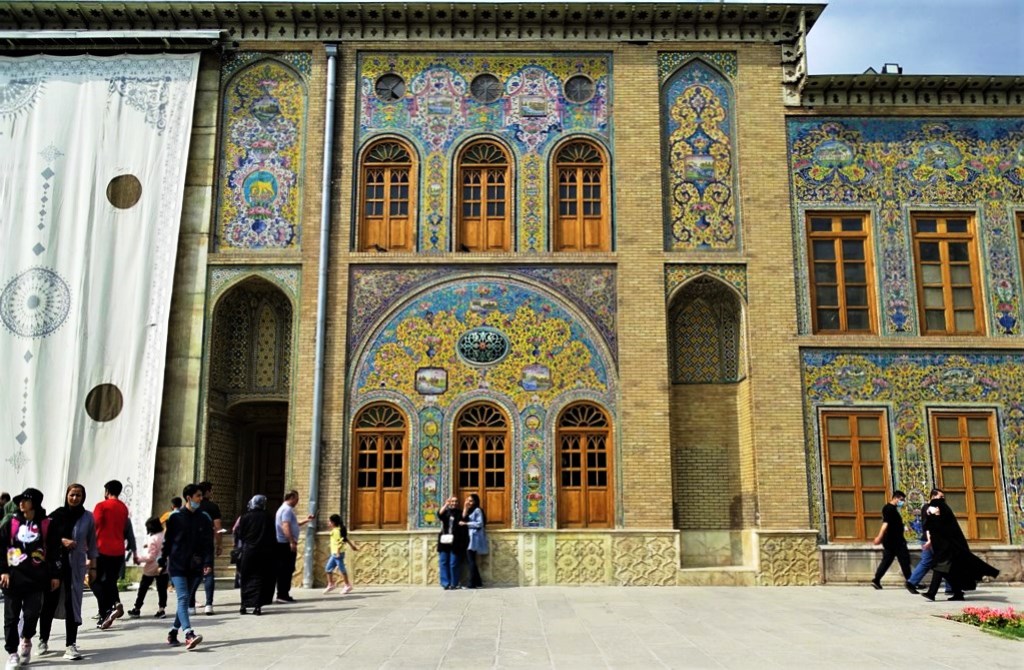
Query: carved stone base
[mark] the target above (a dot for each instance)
(788, 558)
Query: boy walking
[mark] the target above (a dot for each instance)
(890, 536)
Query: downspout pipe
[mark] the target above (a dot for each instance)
(321, 316)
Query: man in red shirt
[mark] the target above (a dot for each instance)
(111, 517)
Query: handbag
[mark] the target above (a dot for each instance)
(235, 556)
(447, 538)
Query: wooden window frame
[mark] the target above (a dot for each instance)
(408, 243)
(493, 521)
(609, 468)
(943, 239)
(357, 432)
(968, 517)
(461, 241)
(1019, 219)
(866, 520)
(604, 244)
(837, 236)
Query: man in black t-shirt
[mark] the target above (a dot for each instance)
(213, 511)
(890, 536)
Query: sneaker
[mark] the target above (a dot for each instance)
(118, 611)
(330, 587)
(172, 639)
(12, 662)
(192, 611)
(25, 652)
(285, 599)
(911, 588)
(876, 585)
(160, 614)
(192, 640)
(208, 610)
(72, 654)
(109, 621)
(957, 597)
(347, 589)
(134, 613)
(928, 596)
(44, 647)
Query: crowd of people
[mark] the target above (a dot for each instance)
(47, 560)
(944, 549)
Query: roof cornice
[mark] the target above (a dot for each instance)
(889, 90)
(337, 21)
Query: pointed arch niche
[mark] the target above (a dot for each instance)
(699, 154)
(247, 395)
(711, 436)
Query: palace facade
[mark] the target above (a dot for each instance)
(678, 311)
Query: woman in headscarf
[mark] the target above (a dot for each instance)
(78, 558)
(256, 565)
(954, 561)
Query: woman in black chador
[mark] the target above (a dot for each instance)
(954, 561)
(256, 534)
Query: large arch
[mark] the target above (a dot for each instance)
(549, 352)
(711, 430)
(248, 393)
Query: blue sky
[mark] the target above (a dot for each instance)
(924, 36)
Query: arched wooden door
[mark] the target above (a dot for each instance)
(378, 489)
(585, 491)
(482, 460)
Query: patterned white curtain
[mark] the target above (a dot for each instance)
(92, 170)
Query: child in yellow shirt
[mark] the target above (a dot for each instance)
(339, 538)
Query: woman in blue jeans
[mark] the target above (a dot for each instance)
(452, 541)
(474, 519)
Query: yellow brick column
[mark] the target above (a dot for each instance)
(643, 453)
(775, 389)
(176, 444)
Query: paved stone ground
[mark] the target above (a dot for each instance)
(570, 627)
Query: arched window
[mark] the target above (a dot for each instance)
(482, 460)
(378, 490)
(387, 212)
(485, 208)
(705, 334)
(581, 196)
(585, 492)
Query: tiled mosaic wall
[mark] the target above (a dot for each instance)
(437, 113)
(893, 167)
(699, 152)
(263, 131)
(907, 384)
(516, 338)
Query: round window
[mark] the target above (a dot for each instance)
(390, 87)
(579, 88)
(486, 88)
(483, 346)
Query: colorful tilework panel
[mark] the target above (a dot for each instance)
(907, 384)
(438, 111)
(734, 275)
(376, 289)
(895, 167)
(670, 61)
(263, 130)
(701, 179)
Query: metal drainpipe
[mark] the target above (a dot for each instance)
(321, 317)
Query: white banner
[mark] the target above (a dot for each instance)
(93, 154)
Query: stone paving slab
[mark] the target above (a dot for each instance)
(833, 627)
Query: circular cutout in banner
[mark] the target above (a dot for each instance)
(104, 402)
(124, 191)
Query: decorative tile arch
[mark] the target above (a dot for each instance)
(699, 148)
(706, 332)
